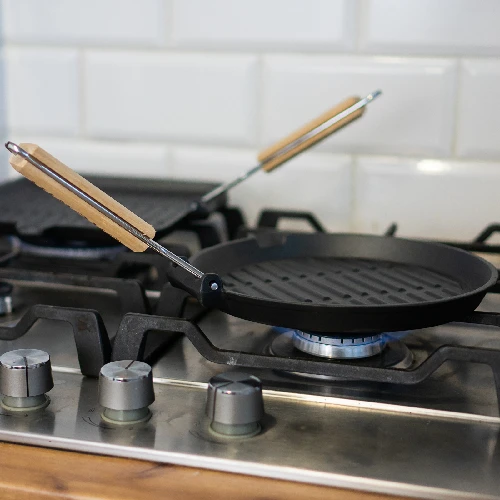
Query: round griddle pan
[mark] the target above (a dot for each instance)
(343, 283)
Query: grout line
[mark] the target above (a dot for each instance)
(168, 6)
(259, 114)
(232, 50)
(82, 94)
(169, 165)
(361, 23)
(172, 145)
(353, 193)
(457, 115)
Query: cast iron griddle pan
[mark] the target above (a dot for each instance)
(344, 283)
(31, 213)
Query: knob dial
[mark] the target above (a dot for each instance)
(25, 377)
(126, 391)
(235, 405)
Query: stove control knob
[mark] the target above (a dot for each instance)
(234, 404)
(25, 377)
(125, 391)
(5, 298)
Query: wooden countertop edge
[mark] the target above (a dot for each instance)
(27, 472)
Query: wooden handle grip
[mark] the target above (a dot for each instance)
(73, 201)
(270, 164)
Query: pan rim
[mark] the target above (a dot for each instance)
(374, 309)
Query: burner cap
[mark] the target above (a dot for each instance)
(331, 347)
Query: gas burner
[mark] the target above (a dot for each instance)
(393, 353)
(332, 347)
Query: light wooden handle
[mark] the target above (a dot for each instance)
(269, 163)
(73, 201)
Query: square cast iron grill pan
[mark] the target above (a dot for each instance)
(30, 213)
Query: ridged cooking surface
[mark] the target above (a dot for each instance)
(32, 211)
(340, 281)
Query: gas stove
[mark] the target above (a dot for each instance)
(412, 413)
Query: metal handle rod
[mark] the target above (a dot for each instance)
(292, 145)
(15, 149)
(229, 185)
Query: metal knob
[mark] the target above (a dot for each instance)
(5, 298)
(234, 404)
(25, 377)
(125, 391)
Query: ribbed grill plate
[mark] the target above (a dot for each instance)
(30, 211)
(349, 282)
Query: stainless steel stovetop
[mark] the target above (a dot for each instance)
(437, 439)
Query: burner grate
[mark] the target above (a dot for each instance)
(132, 334)
(132, 342)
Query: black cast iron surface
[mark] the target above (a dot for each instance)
(162, 203)
(91, 339)
(342, 283)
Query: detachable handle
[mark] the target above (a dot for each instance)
(269, 157)
(64, 194)
(99, 208)
(310, 134)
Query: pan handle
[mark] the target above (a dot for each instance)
(208, 289)
(315, 131)
(302, 139)
(105, 212)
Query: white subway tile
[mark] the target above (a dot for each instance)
(3, 90)
(90, 22)
(42, 90)
(414, 116)
(431, 27)
(319, 183)
(283, 24)
(110, 159)
(426, 198)
(479, 109)
(208, 98)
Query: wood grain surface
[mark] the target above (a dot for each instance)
(73, 201)
(270, 164)
(28, 472)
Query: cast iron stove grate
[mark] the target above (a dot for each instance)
(94, 348)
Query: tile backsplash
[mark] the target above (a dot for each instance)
(195, 88)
